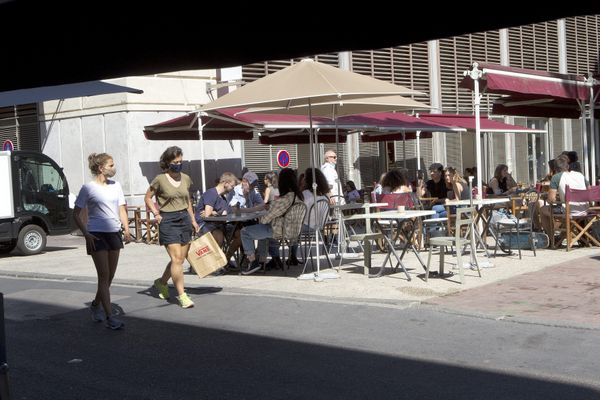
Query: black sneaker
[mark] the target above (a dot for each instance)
(292, 261)
(274, 263)
(252, 268)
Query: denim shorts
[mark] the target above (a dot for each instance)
(107, 241)
(175, 227)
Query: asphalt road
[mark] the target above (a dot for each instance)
(236, 346)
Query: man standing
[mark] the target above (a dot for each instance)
(328, 169)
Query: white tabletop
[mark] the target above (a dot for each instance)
(479, 202)
(392, 214)
(358, 206)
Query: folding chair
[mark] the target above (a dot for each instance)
(578, 227)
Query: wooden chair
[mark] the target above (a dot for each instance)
(149, 227)
(464, 219)
(578, 227)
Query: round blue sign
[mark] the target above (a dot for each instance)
(283, 158)
(8, 146)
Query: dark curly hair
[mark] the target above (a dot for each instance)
(322, 184)
(169, 155)
(288, 182)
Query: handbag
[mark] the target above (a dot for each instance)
(205, 255)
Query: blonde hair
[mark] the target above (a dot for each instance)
(228, 177)
(97, 161)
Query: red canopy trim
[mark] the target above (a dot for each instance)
(369, 137)
(501, 79)
(468, 122)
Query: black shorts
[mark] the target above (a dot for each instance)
(175, 227)
(107, 241)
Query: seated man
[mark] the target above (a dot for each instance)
(563, 177)
(436, 187)
(212, 203)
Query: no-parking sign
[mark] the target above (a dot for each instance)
(8, 146)
(283, 158)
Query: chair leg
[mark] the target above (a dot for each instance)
(519, 239)
(428, 263)
(531, 239)
(460, 267)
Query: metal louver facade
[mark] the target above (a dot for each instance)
(583, 44)
(19, 124)
(535, 46)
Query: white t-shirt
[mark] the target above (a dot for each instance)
(575, 180)
(102, 203)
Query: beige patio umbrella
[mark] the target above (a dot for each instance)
(339, 108)
(306, 82)
(299, 86)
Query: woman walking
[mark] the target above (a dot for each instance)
(175, 216)
(105, 205)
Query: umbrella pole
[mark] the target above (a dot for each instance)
(202, 161)
(418, 151)
(341, 244)
(317, 276)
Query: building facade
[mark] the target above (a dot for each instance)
(68, 130)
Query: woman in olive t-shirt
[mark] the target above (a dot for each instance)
(176, 220)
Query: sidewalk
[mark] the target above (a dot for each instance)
(555, 286)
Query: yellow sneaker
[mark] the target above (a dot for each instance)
(163, 290)
(185, 301)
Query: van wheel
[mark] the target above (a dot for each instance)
(32, 240)
(7, 247)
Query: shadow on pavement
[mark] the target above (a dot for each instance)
(67, 356)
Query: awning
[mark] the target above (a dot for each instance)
(532, 106)
(468, 122)
(501, 79)
(369, 137)
(186, 128)
(46, 93)
(228, 124)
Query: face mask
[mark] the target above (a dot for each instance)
(176, 167)
(110, 172)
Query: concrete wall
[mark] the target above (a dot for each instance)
(74, 128)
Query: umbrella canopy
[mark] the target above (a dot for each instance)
(305, 81)
(334, 109)
(186, 128)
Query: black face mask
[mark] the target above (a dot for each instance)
(176, 167)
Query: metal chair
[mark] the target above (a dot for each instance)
(292, 228)
(318, 214)
(464, 219)
(523, 223)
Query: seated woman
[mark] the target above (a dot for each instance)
(271, 224)
(396, 181)
(352, 195)
(271, 191)
(460, 187)
(502, 184)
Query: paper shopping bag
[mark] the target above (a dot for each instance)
(205, 255)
